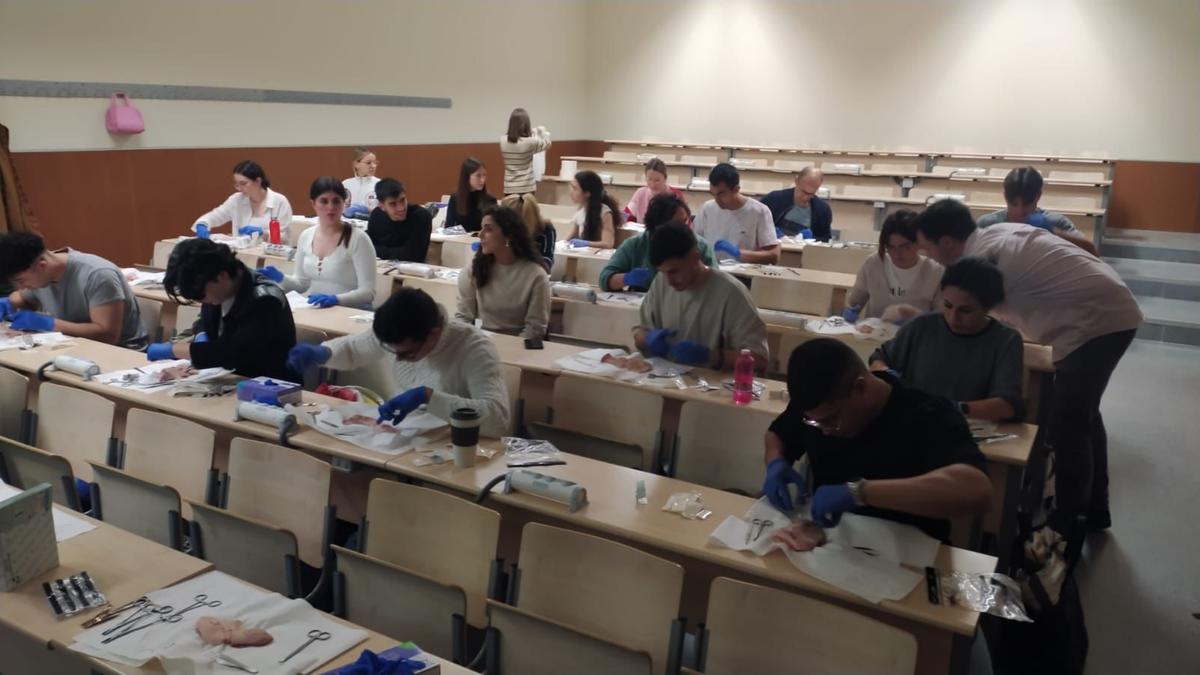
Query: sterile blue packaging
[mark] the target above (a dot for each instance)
(268, 391)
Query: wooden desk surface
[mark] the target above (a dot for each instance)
(613, 509)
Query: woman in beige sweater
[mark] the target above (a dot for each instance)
(505, 286)
(899, 283)
(518, 146)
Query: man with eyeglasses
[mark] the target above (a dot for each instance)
(874, 446)
(798, 210)
(440, 363)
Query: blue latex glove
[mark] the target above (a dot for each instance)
(780, 473)
(579, 243)
(656, 341)
(475, 246)
(639, 276)
(829, 502)
(304, 356)
(32, 321)
(200, 337)
(779, 234)
(690, 353)
(850, 314)
(1038, 219)
(322, 300)
(357, 211)
(399, 407)
(201, 230)
(725, 246)
(247, 230)
(160, 351)
(271, 272)
(806, 233)
(6, 309)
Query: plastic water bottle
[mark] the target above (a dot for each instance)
(274, 230)
(743, 378)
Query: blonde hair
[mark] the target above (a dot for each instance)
(359, 152)
(527, 207)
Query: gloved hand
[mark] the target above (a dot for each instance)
(200, 337)
(322, 300)
(850, 314)
(806, 233)
(399, 407)
(247, 230)
(690, 353)
(656, 341)
(160, 351)
(474, 246)
(357, 211)
(271, 272)
(780, 473)
(829, 502)
(304, 356)
(201, 230)
(725, 246)
(579, 243)
(639, 276)
(1038, 219)
(32, 321)
(6, 309)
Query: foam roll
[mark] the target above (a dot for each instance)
(81, 367)
(415, 270)
(779, 318)
(265, 414)
(573, 292)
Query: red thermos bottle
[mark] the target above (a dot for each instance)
(274, 228)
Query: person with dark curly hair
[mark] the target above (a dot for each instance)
(505, 285)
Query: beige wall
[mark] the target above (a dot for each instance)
(1106, 77)
(463, 49)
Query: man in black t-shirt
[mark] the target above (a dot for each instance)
(399, 230)
(875, 447)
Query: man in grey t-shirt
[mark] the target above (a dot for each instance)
(1022, 190)
(76, 294)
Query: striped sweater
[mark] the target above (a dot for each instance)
(518, 160)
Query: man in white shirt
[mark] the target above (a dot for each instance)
(1058, 294)
(439, 363)
(740, 227)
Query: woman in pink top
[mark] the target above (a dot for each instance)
(656, 184)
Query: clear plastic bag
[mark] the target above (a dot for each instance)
(529, 451)
(994, 594)
(690, 505)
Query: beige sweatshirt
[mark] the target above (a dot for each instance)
(515, 300)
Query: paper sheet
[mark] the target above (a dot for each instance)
(416, 429)
(137, 277)
(145, 378)
(179, 647)
(630, 298)
(21, 340)
(66, 526)
(865, 329)
(297, 301)
(590, 362)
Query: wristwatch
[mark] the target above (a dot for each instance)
(964, 408)
(856, 491)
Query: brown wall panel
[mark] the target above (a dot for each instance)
(1155, 196)
(117, 203)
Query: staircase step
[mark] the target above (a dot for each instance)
(1170, 320)
(1181, 247)
(1158, 278)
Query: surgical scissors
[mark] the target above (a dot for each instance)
(201, 600)
(144, 610)
(313, 635)
(762, 525)
(112, 612)
(164, 616)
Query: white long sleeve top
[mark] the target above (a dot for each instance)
(348, 272)
(463, 370)
(237, 210)
(361, 189)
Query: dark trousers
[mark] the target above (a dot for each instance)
(1077, 431)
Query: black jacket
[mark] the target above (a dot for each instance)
(406, 240)
(258, 332)
(781, 201)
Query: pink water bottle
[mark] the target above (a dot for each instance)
(743, 378)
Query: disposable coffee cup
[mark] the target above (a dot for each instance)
(464, 436)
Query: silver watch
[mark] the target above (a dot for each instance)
(856, 491)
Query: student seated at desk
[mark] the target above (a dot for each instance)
(361, 185)
(541, 231)
(470, 198)
(898, 283)
(874, 446)
(505, 285)
(696, 314)
(595, 223)
(399, 230)
(961, 352)
(518, 146)
(439, 363)
(656, 184)
(630, 268)
(251, 206)
(76, 294)
(799, 211)
(1022, 190)
(245, 323)
(335, 261)
(740, 227)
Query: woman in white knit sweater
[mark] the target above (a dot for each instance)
(335, 261)
(518, 146)
(899, 283)
(505, 286)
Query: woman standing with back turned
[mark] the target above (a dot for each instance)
(518, 147)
